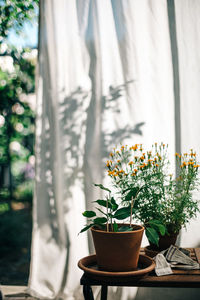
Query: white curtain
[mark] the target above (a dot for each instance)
(110, 71)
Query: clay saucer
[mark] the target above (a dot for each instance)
(89, 265)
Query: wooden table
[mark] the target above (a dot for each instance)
(179, 278)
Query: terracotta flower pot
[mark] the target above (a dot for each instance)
(117, 251)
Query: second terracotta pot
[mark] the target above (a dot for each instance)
(165, 242)
(117, 251)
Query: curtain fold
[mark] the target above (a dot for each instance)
(106, 76)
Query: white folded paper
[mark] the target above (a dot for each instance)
(174, 257)
(162, 266)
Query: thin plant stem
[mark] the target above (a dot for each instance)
(107, 227)
(131, 211)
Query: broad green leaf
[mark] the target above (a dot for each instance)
(162, 229)
(89, 214)
(100, 220)
(131, 194)
(102, 187)
(103, 203)
(152, 235)
(114, 204)
(125, 228)
(158, 226)
(122, 213)
(115, 227)
(86, 228)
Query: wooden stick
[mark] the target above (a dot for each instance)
(107, 227)
(131, 211)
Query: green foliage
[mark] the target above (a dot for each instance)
(89, 214)
(14, 13)
(111, 214)
(17, 126)
(152, 235)
(17, 82)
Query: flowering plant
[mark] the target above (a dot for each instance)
(144, 189)
(180, 204)
(163, 203)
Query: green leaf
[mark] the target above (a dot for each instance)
(102, 187)
(122, 213)
(114, 204)
(131, 194)
(100, 220)
(89, 214)
(115, 227)
(125, 228)
(101, 211)
(103, 203)
(86, 228)
(152, 235)
(158, 226)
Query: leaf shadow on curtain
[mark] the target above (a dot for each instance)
(119, 135)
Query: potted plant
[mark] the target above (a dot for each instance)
(117, 245)
(132, 172)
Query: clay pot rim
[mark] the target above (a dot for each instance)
(141, 228)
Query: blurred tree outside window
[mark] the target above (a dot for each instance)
(17, 118)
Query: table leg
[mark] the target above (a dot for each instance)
(87, 292)
(1, 297)
(104, 292)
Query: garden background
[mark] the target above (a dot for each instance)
(18, 58)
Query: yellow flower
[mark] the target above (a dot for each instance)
(135, 147)
(130, 163)
(122, 148)
(118, 161)
(192, 154)
(142, 158)
(111, 154)
(108, 163)
(157, 165)
(110, 173)
(196, 166)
